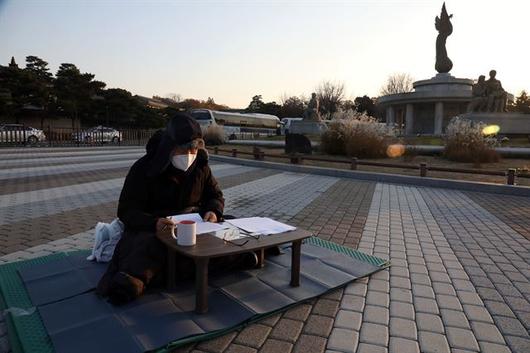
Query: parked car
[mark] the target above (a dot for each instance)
(98, 134)
(13, 133)
(286, 124)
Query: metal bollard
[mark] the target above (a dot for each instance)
(216, 150)
(234, 152)
(353, 165)
(256, 152)
(423, 169)
(262, 156)
(510, 176)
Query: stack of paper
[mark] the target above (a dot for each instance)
(202, 226)
(260, 225)
(251, 225)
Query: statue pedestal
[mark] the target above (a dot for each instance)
(444, 83)
(429, 108)
(509, 123)
(296, 143)
(307, 127)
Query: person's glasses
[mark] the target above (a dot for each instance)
(238, 242)
(242, 240)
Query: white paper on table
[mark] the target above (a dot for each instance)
(207, 227)
(188, 217)
(202, 226)
(260, 225)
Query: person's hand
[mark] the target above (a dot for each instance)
(210, 217)
(163, 224)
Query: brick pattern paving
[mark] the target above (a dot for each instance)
(339, 215)
(62, 169)
(496, 259)
(69, 159)
(51, 161)
(458, 282)
(16, 185)
(67, 198)
(279, 196)
(512, 210)
(29, 232)
(418, 306)
(242, 178)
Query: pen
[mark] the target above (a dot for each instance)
(165, 225)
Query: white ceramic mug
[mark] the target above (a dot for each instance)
(186, 233)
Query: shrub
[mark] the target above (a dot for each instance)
(358, 135)
(466, 142)
(333, 139)
(214, 135)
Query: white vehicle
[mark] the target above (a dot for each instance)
(234, 123)
(20, 133)
(98, 134)
(286, 124)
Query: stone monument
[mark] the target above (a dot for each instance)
(445, 29)
(434, 102)
(312, 112)
(312, 122)
(497, 96)
(488, 96)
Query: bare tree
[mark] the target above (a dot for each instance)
(397, 83)
(177, 98)
(330, 95)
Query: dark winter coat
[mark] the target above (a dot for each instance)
(146, 198)
(153, 189)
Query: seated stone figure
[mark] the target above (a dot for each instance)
(480, 100)
(497, 96)
(312, 111)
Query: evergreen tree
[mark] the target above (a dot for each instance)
(76, 91)
(292, 107)
(522, 103)
(256, 104)
(366, 105)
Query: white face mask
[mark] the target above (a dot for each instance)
(183, 161)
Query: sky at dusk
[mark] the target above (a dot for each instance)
(233, 50)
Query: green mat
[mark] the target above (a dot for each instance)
(26, 330)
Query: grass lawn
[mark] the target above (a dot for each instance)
(502, 165)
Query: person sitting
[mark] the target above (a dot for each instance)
(172, 178)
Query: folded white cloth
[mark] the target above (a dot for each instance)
(105, 239)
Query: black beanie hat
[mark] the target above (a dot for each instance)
(180, 129)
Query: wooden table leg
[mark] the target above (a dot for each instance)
(171, 264)
(261, 258)
(295, 263)
(201, 285)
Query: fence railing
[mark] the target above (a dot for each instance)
(20, 135)
(353, 163)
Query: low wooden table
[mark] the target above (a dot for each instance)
(209, 246)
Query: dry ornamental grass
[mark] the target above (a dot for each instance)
(214, 135)
(357, 135)
(465, 141)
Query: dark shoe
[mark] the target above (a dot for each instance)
(250, 260)
(124, 288)
(274, 251)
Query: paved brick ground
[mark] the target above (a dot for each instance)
(16, 185)
(495, 257)
(513, 210)
(460, 275)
